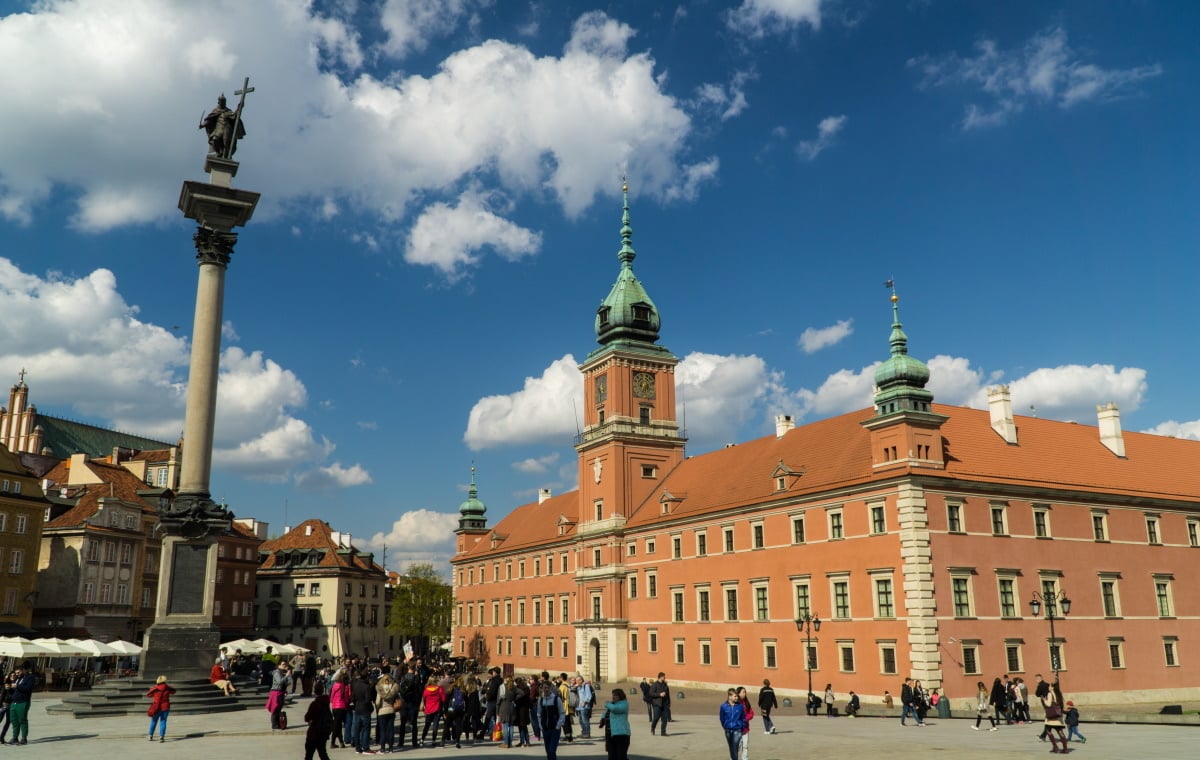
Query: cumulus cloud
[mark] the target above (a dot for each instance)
(1043, 70)
(757, 18)
(1071, 391)
(543, 410)
(383, 145)
(726, 101)
(334, 476)
(813, 339)
(419, 535)
(449, 238)
(843, 391)
(536, 465)
(720, 393)
(1176, 429)
(827, 131)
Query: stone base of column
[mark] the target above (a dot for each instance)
(179, 652)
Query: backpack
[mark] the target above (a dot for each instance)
(458, 702)
(573, 697)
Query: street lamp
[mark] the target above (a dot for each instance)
(806, 624)
(1052, 600)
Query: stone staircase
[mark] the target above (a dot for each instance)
(127, 696)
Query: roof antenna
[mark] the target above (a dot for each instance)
(578, 422)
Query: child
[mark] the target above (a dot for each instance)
(1072, 721)
(887, 700)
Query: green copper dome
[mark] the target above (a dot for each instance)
(627, 313)
(472, 510)
(900, 381)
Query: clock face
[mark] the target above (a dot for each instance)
(643, 385)
(601, 389)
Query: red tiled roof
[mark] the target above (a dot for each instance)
(835, 452)
(320, 537)
(117, 482)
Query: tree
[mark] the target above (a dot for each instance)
(421, 605)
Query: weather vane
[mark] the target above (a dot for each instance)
(225, 126)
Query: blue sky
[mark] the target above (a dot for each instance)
(441, 211)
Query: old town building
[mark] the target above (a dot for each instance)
(930, 540)
(317, 590)
(22, 506)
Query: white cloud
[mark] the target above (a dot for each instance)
(1071, 391)
(448, 238)
(953, 381)
(719, 394)
(536, 466)
(692, 178)
(334, 476)
(1177, 429)
(726, 101)
(419, 535)
(543, 410)
(371, 145)
(843, 391)
(411, 24)
(813, 339)
(228, 332)
(1044, 70)
(757, 18)
(827, 130)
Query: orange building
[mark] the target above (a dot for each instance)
(918, 533)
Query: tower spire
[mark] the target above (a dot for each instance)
(472, 511)
(626, 255)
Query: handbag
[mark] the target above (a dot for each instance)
(498, 732)
(1053, 712)
(604, 720)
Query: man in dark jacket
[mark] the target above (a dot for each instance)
(320, 724)
(660, 703)
(491, 693)
(363, 695)
(22, 694)
(908, 703)
(766, 703)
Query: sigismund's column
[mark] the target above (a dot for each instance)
(183, 641)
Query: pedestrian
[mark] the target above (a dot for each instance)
(984, 699)
(506, 711)
(474, 710)
(276, 699)
(644, 686)
(853, 705)
(920, 701)
(998, 699)
(6, 694)
(908, 703)
(386, 693)
(616, 726)
(1072, 721)
(660, 703)
(160, 707)
(1054, 719)
(587, 698)
(549, 713)
(411, 689)
(491, 697)
(362, 701)
(830, 710)
(339, 703)
(1041, 691)
(432, 700)
(766, 703)
(733, 720)
(319, 718)
(744, 701)
(219, 677)
(887, 700)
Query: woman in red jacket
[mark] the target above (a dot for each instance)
(432, 698)
(160, 707)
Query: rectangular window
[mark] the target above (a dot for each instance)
(878, 521)
(521, 612)
(1108, 598)
(1056, 655)
(632, 644)
(537, 647)
(21, 523)
(147, 598)
(537, 612)
(595, 607)
(769, 657)
(299, 586)
(847, 657)
(678, 652)
(999, 522)
(812, 658)
(677, 547)
(841, 599)
(761, 610)
(731, 601)
(106, 593)
(1169, 655)
(3, 521)
(961, 590)
(734, 656)
(521, 569)
(1162, 598)
(727, 534)
(1116, 654)
(15, 560)
(802, 599)
(649, 470)
(760, 539)
(1008, 597)
(884, 605)
(653, 637)
(701, 544)
(314, 589)
(566, 610)
(652, 585)
(887, 659)
(677, 606)
(835, 525)
(649, 546)
(1152, 531)
(633, 591)
(1100, 527)
(537, 571)
(970, 658)
(1193, 531)
(562, 557)
(798, 530)
(1012, 658)
(705, 653)
(89, 593)
(1041, 523)
(596, 559)
(703, 604)
(954, 518)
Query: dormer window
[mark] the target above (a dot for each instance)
(603, 313)
(641, 313)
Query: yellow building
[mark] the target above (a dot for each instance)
(21, 508)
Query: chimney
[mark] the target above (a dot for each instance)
(1000, 406)
(116, 457)
(783, 423)
(287, 529)
(543, 494)
(348, 545)
(1110, 428)
(308, 530)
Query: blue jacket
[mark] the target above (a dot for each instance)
(618, 718)
(23, 688)
(733, 717)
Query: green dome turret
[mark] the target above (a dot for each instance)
(900, 381)
(472, 511)
(627, 314)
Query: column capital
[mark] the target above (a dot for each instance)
(213, 247)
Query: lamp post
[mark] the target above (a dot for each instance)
(806, 624)
(1052, 601)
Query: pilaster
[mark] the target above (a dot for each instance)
(916, 557)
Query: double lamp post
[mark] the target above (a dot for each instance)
(807, 624)
(1053, 601)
